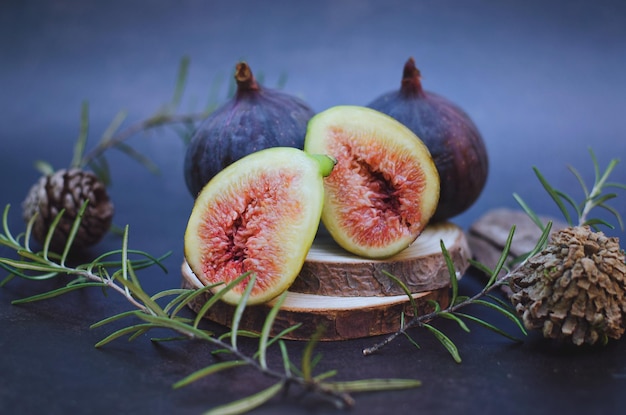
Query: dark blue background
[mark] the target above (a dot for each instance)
(543, 81)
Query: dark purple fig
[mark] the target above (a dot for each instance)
(254, 119)
(451, 137)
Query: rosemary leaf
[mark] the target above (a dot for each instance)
(57, 292)
(170, 292)
(504, 304)
(114, 318)
(29, 266)
(137, 264)
(435, 305)
(79, 147)
(267, 327)
(615, 213)
(326, 375)
(307, 362)
(600, 199)
(283, 333)
(480, 266)
(209, 370)
(579, 177)
(181, 80)
(138, 157)
(139, 332)
(241, 306)
(404, 288)
(5, 227)
(100, 167)
(445, 341)
(285, 356)
(490, 326)
(215, 296)
(454, 317)
(124, 260)
(454, 282)
(502, 260)
(176, 325)
(114, 125)
(273, 339)
(371, 385)
(138, 293)
(33, 257)
(44, 167)
(248, 403)
(48, 238)
(213, 100)
(504, 311)
(6, 279)
(167, 339)
(600, 182)
(531, 213)
(178, 302)
(553, 194)
(18, 273)
(571, 202)
(133, 277)
(239, 333)
(542, 241)
(72, 235)
(123, 332)
(412, 341)
(618, 185)
(596, 221)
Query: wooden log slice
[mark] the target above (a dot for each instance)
(330, 270)
(488, 234)
(343, 318)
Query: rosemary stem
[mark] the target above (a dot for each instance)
(157, 120)
(287, 377)
(421, 319)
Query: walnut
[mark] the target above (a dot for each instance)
(68, 189)
(574, 289)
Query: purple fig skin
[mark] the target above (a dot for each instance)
(452, 138)
(254, 119)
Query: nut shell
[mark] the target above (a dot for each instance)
(574, 289)
(68, 189)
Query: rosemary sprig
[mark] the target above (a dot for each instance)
(458, 302)
(116, 271)
(594, 196)
(115, 137)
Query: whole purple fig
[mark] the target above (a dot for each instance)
(450, 135)
(254, 119)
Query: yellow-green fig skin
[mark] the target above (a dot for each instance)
(260, 214)
(392, 161)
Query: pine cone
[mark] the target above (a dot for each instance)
(68, 189)
(574, 289)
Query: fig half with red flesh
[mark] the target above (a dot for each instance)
(258, 215)
(384, 188)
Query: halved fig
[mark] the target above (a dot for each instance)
(258, 215)
(384, 188)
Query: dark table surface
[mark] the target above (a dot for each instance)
(542, 80)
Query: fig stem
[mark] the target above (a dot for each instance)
(326, 163)
(411, 85)
(245, 78)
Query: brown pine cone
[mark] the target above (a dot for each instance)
(68, 189)
(574, 289)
